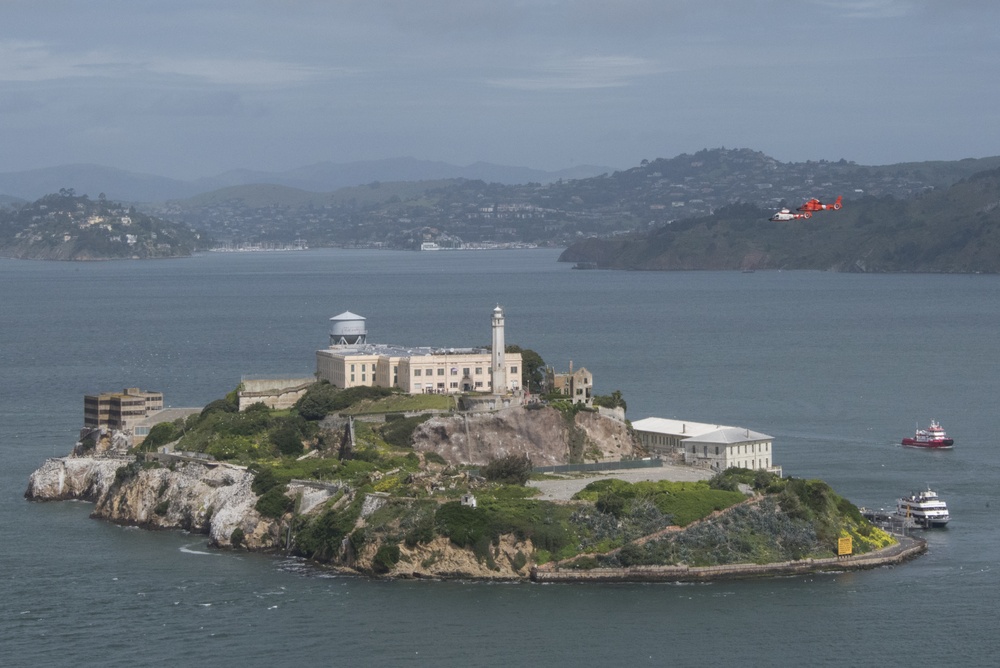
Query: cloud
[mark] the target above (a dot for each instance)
(242, 72)
(586, 72)
(869, 9)
(26, 61)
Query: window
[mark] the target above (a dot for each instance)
(479, 383)
(417, 386)
(352, 377)
(513, 369)
(479, 371)
(441, 373)
(441, 386)
(454, 385)
(352, 368)
(465, 371)
(454, 370)
(716, 449)
(416, 372)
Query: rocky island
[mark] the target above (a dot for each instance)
(376, 482)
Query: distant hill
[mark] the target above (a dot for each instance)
(66, 226)
(322, 177)
(92, 180)
(952, 230)
(462, 212)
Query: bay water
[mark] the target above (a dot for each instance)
(837, 367)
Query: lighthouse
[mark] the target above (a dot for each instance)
(499, 362)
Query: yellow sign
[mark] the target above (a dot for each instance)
(844, 546)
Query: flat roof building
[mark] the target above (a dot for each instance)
(712, 446)
(418, 370)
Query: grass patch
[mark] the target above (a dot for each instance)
(402, 403)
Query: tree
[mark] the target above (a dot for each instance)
(288, 441)
(613, 400)
(532, 368)
(509, 470)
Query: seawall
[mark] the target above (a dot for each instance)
(907, 548)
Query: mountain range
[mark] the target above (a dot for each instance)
(129, 186)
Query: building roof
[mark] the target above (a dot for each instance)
(698, 431)
(389, 350)
(730, 435)
(682, 428)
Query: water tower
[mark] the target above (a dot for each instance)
(347, 329)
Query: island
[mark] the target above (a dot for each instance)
(530, 477)
(67, 226)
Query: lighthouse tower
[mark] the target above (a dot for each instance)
(499, 362)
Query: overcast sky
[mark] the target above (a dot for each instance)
(189, 88)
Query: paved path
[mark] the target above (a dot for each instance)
(563, 490)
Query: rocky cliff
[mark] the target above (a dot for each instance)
(214, 500)
(546, 435)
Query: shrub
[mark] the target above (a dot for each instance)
(288, 441)
(317, 402)
(386, 558)
(221, 406)
(435, 458)
(159, 435)
(509, 470)
(463, 525)
(398, 431)
(274, 503)
(236, 537)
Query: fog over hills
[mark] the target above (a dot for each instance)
(321, 177)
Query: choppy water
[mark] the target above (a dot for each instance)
(837, 367)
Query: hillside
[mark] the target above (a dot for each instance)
(466, 211)
(400, 499)
(65, 226)
(953, 230)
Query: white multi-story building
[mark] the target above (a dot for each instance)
(350, 361)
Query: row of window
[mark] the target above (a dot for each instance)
(746, 449)
(454, 371)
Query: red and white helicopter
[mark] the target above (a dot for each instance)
(785, 214)
(815, 205)
(807, 210)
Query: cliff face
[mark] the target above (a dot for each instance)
(201, 499)
(543, 434)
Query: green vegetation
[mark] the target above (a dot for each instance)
(684, 502)
(795, 520)
(508, 470)
(67, 226)
(161, 434)
(948, 230)
(653, 193)
(613, 400)
(788, 519)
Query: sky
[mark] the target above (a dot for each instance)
(187, 88)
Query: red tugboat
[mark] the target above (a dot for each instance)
(932, 437)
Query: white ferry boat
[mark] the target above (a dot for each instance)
(926, 509)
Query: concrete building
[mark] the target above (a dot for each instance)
(119, 410)
(577, 385)
(712, 446)
(350, 361)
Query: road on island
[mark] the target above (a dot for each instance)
(563, 490)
